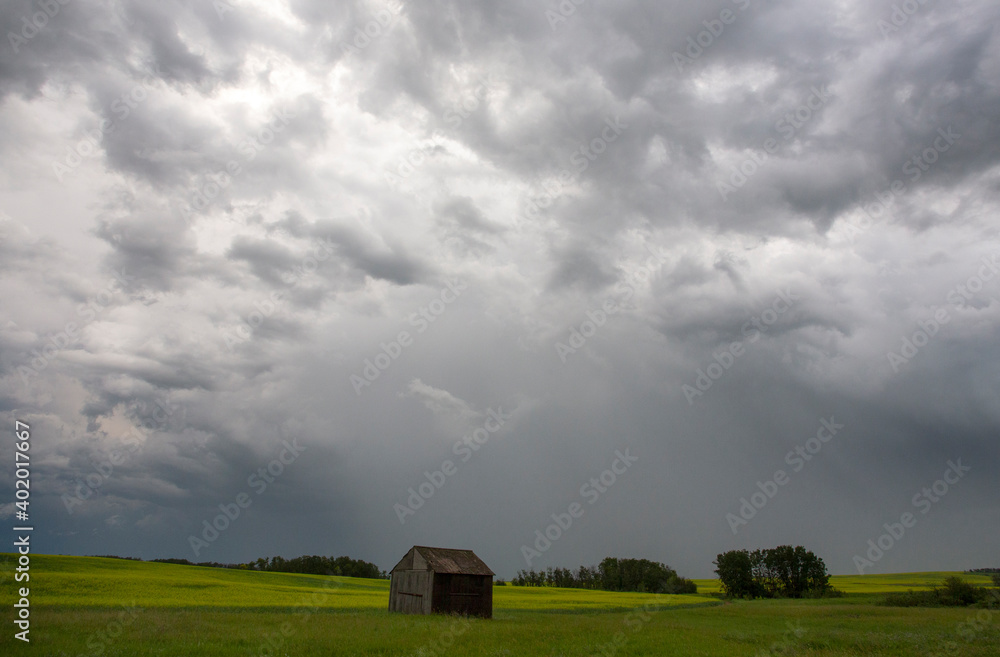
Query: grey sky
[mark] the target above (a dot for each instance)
(693, 231)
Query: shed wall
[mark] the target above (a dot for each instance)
(410, 591)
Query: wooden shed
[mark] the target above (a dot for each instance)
(441, 581)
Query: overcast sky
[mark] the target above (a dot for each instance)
(673, 240)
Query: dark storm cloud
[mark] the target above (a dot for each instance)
(149, 252)
(578, 266)
(462, 213)
(266, 259)
(179, 374)
(693, 230)
(390, 262)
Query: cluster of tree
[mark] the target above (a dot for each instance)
(313, 565)
(955, 592)
(640, 575)
(783, 571)
(114, 556)
(204, 564)
(983, 571)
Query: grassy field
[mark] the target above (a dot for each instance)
(91, 606)
(875, 584)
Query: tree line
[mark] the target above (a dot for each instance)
(781, 572)
(309, 565)
(637, 575)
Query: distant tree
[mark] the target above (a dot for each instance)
(794, 571)
(612, 574)
(783, 571)
(311, 565)
(115, 556)
(609, 575)
(680, 585)
(586, 578)
(735, 571)
(529, 578)
(956, 592)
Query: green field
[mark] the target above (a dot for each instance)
(875, 584)
(92, 606)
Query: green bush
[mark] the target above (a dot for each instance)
(959, 593)
(955, 592)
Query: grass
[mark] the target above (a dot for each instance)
(93, 606)
(96, 582)
(875, 584)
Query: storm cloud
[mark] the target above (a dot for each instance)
(523, 238)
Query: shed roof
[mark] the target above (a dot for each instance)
(446, 561)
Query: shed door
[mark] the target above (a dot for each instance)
(459, 594)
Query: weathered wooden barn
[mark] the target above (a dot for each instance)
(441, 581)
